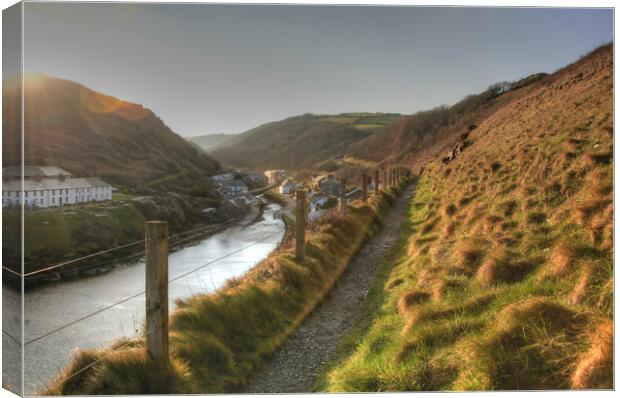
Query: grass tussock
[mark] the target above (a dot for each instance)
(410, 299)
(594, 368)
(217, 340)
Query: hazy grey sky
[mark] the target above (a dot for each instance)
(227, 68)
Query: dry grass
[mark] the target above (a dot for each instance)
(409, 299)
(562, 260)
(217, 340)
(594, 368)
(518, 273)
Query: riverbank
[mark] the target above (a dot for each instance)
(66, 234)
(218, 340)
(54, 312)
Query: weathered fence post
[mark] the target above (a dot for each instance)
(377, 190)
(398, 175)
(156, 242)
(343, 196)
(364, 187)
(391, 176)
(385, 179)
(300, 225)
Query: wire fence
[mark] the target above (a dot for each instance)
(126, 299)
(203, 229)
(11, 337)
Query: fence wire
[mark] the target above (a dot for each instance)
(92, 255)
(99, 311)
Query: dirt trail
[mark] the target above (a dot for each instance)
(297, 365)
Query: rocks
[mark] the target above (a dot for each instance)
(457, 148)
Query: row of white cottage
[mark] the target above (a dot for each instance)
(49, 187)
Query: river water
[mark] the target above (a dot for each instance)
(52, 306)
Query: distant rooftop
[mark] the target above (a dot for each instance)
(35, 171)
(46, 184)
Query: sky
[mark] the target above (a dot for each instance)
(205, 68)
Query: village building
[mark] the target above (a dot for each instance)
(276, 176)
(232, 188)
(255, 179)
(288, 187)
(45, 187)
(330, 186)
(224, 177)
(244, 202)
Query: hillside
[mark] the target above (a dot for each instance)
(92, 134)
(300, 142)
(210, 142)
(415, 139)
(348, 143)
(504, 277)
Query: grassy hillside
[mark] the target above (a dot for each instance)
(92, 134)
(506, 279)
(210, 142)
(415, 139)
(218, 340)
(300, 142)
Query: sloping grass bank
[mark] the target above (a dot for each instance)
(506, 282)
(218, 340)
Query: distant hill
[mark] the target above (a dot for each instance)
(92, 134)
(210, 141)
(300, 142)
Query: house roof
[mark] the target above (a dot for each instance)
(233, 183)
(46, 184)
(35, 171)
(288, 182)
(224, 176)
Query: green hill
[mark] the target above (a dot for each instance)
(92, 134)
(300, 142)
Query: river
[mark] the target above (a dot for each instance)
(55, 305)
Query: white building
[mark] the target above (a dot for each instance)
(288, 187)
(49, 187)
(275, 176)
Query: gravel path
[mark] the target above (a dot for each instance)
(297, 365)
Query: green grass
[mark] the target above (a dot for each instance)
(52, 236)
(118, 196)
(514, 334)
(218, 340)
(371, 306)
(276, 197)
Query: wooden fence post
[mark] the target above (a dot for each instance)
(300, 225)
(364, 187)
(343, 196)
(385, 179)
(156, 242)
(377, 190)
